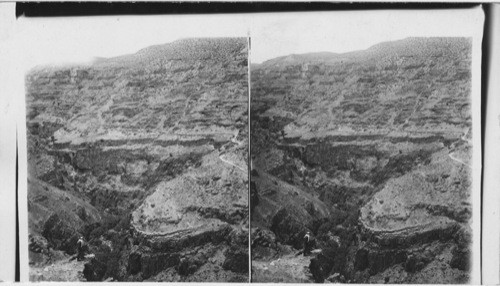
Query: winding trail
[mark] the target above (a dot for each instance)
(463, 138)
(188, 99)
(232, 164)
(233, 140)
(458, 160)
(415, 107)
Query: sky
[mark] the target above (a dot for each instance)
(79, 39)
(339, 32)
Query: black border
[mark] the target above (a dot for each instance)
(58, 9)
(17, 275)
(486, 54)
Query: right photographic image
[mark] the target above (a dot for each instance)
(365, 147)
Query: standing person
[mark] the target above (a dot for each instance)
(307, 243)
(81, 249)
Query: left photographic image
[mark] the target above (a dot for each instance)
(137, 165)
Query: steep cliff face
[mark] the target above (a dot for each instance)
(149, 148)
(378, 140)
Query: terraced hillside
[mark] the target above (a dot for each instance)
(145, 155)
(370, 151)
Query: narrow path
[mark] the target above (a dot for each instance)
(458, 160)
(233, 140)
(183, 112)
(464, 136)
(417, 101)
(232, 164)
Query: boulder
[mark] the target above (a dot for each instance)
(60, 235)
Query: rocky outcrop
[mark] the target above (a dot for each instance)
(284, 207)
(404, 220)
(61, 235)
(57, 217)
(188, 255)
(38, 244)
(204, 206)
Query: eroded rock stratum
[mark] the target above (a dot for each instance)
(145, 155)
(370, 151)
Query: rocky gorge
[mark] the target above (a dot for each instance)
(370, 151)
(145, 156)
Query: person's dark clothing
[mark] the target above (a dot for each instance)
(307, 244)
(81, 250)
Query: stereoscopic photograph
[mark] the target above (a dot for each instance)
(361, 157)
(137, 165)
(305, 147)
